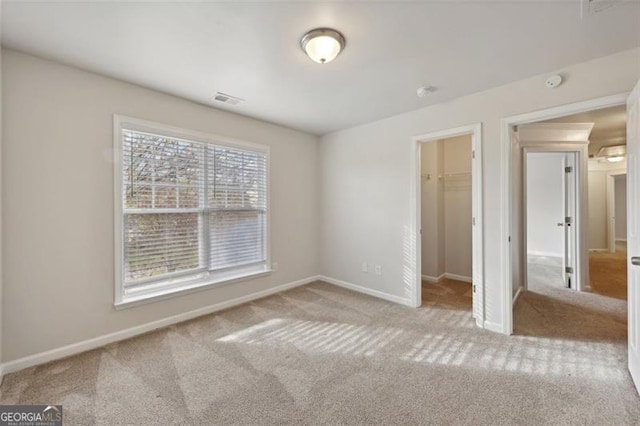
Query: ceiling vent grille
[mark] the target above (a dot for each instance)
(227, 99)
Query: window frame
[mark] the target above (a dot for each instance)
(179, 283)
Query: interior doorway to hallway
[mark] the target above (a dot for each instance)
(622, 312)
(606, 190)
(543, 126)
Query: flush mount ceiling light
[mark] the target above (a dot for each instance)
(322, 45)
(612, 154)
(615, 159)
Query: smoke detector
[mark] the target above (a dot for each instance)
(226, 99)
(553, 81)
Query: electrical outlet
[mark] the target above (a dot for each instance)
(365, 267)
(378, 270)
(274, 266)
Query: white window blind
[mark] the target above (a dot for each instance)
(190, 210)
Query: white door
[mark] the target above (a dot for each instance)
(633, 231)
(569, 263)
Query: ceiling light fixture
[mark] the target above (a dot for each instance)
(322, 45)
(615, 159)
(612, 153)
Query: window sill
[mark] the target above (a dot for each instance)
(190, 287)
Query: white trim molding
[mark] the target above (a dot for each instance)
(97, 342)
(447, 275)
(515, 297)
(457, 277)
(475, 130)
(364, 290)
(146, 290)
(506, 188)
(431, 279)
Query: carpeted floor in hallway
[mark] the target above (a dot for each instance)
(608, 272)
(319, 354)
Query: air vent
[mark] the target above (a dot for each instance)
(227, 99)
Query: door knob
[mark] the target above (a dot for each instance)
(635, 261)
(560, 224)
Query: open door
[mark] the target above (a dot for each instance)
(633, 232)
(569, 263)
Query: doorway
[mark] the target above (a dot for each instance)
(459, 184)
(512, 252)
(446, 222)
(608, 265)
(550, 206)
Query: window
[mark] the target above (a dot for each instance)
(191, 210)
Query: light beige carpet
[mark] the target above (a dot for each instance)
(323, 355)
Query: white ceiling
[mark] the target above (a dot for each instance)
(251, 49)
(609, 126)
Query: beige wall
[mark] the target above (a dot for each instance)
(620, 207)
(598, 176)
(457, 206)
(357, 225)
(597, 210)
(58, 202)
(431, 205)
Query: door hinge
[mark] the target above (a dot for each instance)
(474, 288)
(568, 169)
(568, 269)
(473, 154)
(509, 238)
(473, 221)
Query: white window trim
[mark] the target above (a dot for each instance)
(167, 289)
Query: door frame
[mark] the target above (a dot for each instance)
(506, 186)
(580, 149)
(611, 207)
(475, 130)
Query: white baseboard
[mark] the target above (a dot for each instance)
(495, 327)
(86, 345)
(430, 279)
(598, 250)
(458, 277)
(621, 240)
(515, 297)
(368, 291)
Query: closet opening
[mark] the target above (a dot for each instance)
(449, 205)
